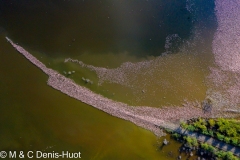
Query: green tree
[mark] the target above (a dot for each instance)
(235, 158)
(211, 149)
(229, 156)
(211, 122)
(234, 141)
(227, 139)
(191, 128)
(220, 136)
(211, 133)
(201, 124)
(184, 125)
(204, 146)
(188, 140)
(221, 121)
(223, 128)
(194, 142)
(191, 141)
(205, 132)
(221, 154)
(231, 132)
(203, 128)
(202, 121)
(176, 135)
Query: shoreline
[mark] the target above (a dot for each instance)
(146, 117)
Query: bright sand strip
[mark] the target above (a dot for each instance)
(146, 117)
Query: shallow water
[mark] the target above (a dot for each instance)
(103, 34)
(107, 34)
(37, 117)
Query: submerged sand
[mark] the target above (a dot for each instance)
(147, 117)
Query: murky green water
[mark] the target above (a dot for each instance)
(103, 34)
(109, 33)
(36, 117)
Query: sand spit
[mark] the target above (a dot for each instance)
(123, 74)
(116, 75)
(146, 117)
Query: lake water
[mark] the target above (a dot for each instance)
(37, 117)
(108, 33)
(168, 44)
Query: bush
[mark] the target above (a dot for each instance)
(211, 133)
(202, 121)
(211, 149)
(191, 128)
(205, 132)
(227, 139)
(232, 132)
(194, 142)
(176, 135)
(204, 146)
(229, 156)
(201, 124)
(220, 136)
(211, 122)
(222, 128)
(203, 128)
(191, 141)
(184, 125)
(221, 154)
(234, 141)
(220, 121)
(208, 147)
(188, 140)
(223, 125)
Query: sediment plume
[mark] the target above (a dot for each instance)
(146, 117)
(128, 72)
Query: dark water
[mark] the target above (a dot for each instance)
(73, 27)
(102, 33)
(108, 33)
(34, 117)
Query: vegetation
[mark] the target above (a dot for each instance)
(191, 141)
(168, 130)
(176, 136)
(220, 154)
(191, 128)
(184, 125)
(208, 147)
(227, 130)
(211, 122)
(226, 155)
(203, 149)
